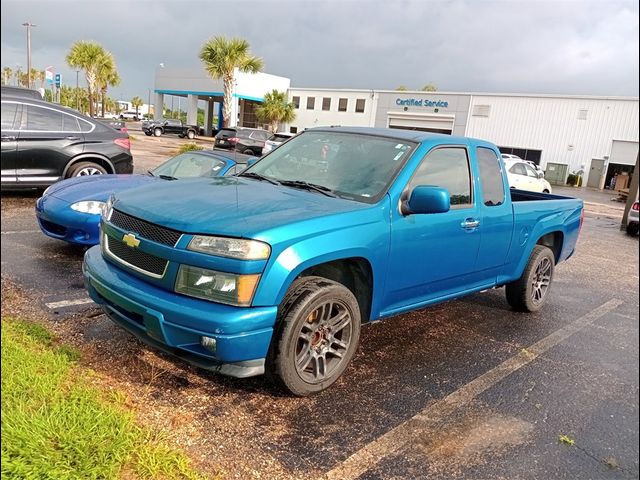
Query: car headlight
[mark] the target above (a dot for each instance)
(107, 209)
(216, 286)
(90, 206)
(230, 247)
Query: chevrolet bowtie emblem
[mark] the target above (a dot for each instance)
(130, 240)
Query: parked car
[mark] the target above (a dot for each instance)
(276, 269)
(130, 115)
(170, 126)
(20, 92)
(249, 141)
(70, 210)
(633, 219)
(524, 177)
(43, 143)
(275, 141)
(510, 157)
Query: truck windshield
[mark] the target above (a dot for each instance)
(359, 167)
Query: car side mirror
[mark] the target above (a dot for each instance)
(426, 199)
(540, 174)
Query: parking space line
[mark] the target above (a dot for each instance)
(13, 232)
(425, 421)
(68, 303)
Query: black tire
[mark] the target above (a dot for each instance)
(85, 169)
(303, 307)
(248, 151)
(157, 131)
(633, 228)
(191, 134)
(546, 191)
(529, 292)
(148, 134)
(180, 135)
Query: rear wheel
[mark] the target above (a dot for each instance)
(191, 134)
(529, 292)
(157, 132)
(83, 169)
(247, 151)
(316, 336)
(633, 228)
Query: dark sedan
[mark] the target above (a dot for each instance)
(249, 141)
(43, 143)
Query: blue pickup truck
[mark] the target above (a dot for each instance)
(275, 270)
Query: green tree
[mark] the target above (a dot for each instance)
(275, 109)
(107, 76)
(429, 87)
(221, 56)
(136, 102)
(401, 88)
(19, 76)
(88, 56)
(7, 74)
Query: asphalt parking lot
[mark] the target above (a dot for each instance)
(466, 389)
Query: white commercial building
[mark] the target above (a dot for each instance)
(595, 135)
(561, 133)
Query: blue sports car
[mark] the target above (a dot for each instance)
(70, 210)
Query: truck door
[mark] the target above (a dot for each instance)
(497, 215)
(434, 255)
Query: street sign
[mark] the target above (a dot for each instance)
(58, 79)
(48, 72)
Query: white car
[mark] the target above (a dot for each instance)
(509, 156)
(524, 177)
(275, 140)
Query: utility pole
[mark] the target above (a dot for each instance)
(28, 25)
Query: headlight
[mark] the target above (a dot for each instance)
(91, 206)
(230, 247)
(107, 209)
(216, 286)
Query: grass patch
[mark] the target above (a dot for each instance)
(55, 424)
(189, 147)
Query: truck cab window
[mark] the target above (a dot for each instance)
(448, 168)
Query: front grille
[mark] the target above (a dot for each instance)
(145, 262)
(145, 229)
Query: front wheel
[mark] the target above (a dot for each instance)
(529, 292)
(191, 134)
(316, 336)
(157, 132)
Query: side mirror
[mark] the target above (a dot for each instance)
(540, 174)
(426, 199)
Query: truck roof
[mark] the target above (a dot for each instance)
(406, 135)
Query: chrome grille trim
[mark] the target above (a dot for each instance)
(107, 239)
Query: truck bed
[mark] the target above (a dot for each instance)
(526, 196)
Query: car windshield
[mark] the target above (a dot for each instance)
(189, 165)
(350, 165)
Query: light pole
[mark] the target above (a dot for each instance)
(28, 25)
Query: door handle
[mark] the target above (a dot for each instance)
(470, 223)
(8, 137)
(71, 137)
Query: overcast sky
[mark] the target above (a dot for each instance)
(572, 47)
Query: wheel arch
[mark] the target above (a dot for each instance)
(554, 241)
(89, 157)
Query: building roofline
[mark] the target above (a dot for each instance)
(476, 94)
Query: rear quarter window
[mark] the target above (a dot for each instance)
(490, 177)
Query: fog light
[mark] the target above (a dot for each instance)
(208, 343)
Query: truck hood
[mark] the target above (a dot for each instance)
(96, 187)
(230, 206)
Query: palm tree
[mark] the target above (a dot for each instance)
(87, 56)
(136, 102)
(401, 88)
(7, 73)
(221, 56)
(19, 75)
(37, 76)
(275, 109)
(107, 75)
(429, 87)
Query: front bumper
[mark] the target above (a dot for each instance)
(175, 324)
(57, 220)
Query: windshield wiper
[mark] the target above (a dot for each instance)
(258, 177)
(150, 172)
(309, 186)
(167, 177)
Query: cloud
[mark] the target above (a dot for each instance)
(572, 47)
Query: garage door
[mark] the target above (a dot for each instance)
(424, 122)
